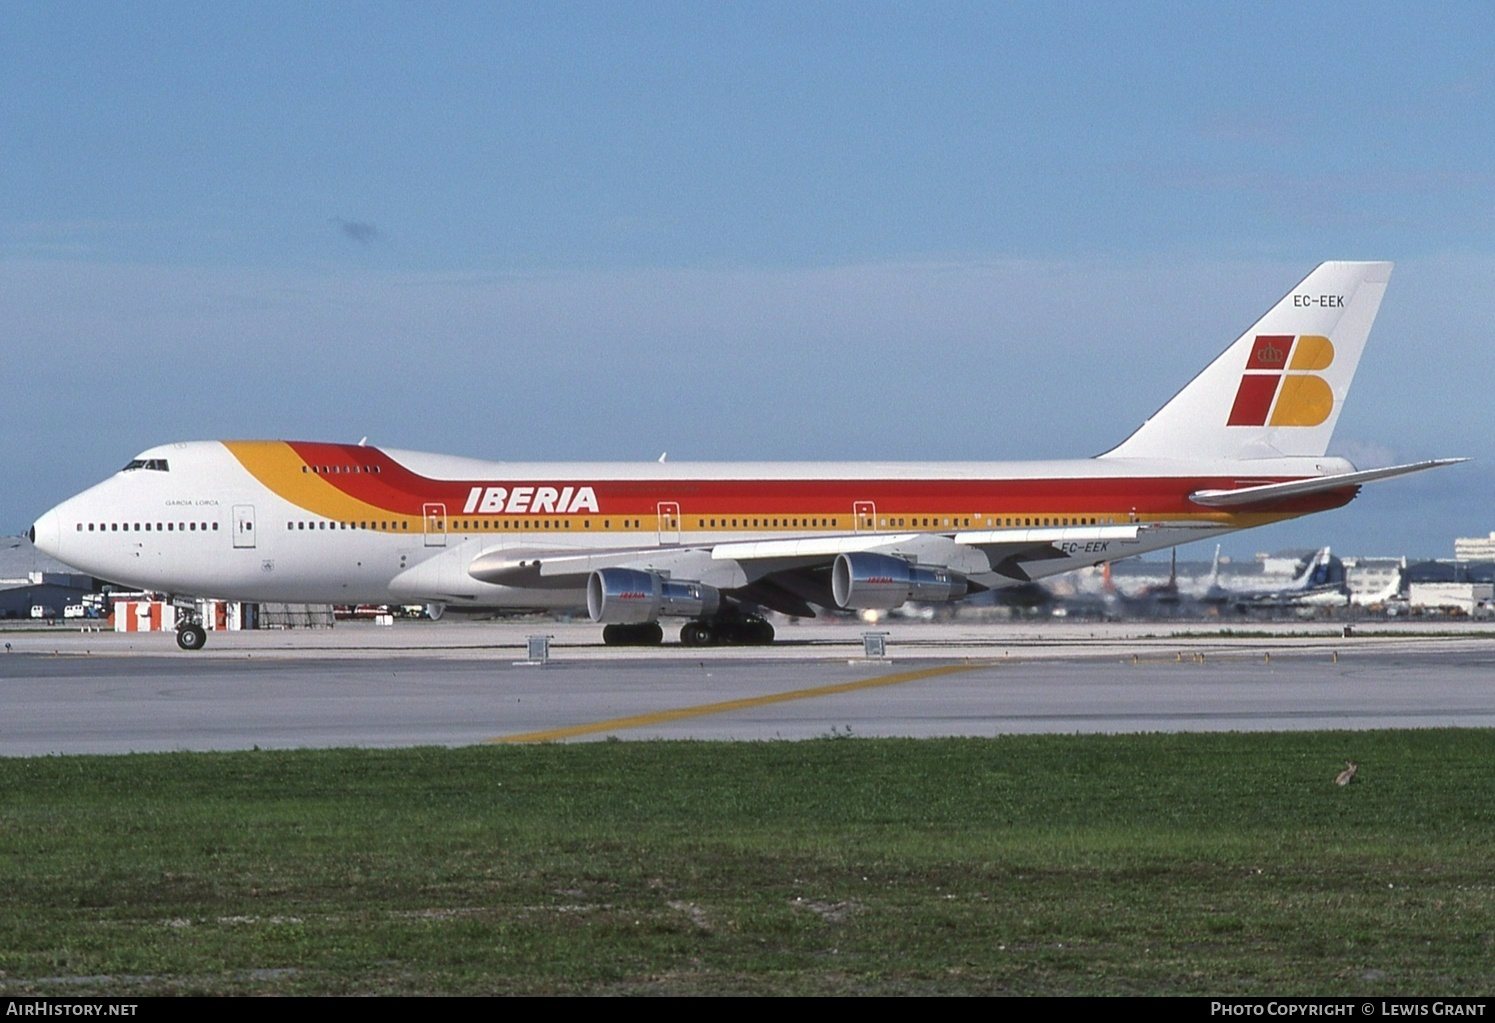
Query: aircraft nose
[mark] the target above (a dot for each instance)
(47, 533)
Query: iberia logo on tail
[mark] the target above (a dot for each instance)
(1280, 386)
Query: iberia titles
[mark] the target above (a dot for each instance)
(533, 500)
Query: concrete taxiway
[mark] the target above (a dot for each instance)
(64, 691)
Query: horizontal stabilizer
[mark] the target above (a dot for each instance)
(1270, 492)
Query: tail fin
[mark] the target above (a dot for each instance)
(1278, 390)
(1315, 573)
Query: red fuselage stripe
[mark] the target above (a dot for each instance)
(394, 488)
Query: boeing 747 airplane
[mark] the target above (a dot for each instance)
(1242, 445)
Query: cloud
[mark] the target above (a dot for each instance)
(361, 231)
(1365, 454)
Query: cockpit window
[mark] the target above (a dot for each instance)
(156, 464)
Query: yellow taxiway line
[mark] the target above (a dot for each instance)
(661, 716)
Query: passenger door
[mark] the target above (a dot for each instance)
(244, 525)
(435, 524)
(669, 522)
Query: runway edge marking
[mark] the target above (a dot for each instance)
(661, 716)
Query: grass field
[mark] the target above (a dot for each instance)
(1179, 864)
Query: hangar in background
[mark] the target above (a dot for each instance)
(30, 578)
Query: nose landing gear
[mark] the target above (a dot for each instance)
(191, 636)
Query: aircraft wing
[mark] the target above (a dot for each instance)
(1269, 493)
(969, 552)
(793, 573)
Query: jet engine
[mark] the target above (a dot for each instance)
(879, 582)
(627, 596)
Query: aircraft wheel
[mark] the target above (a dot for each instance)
(697, 634)
(191, 637)
(647, 634)
(751, 631)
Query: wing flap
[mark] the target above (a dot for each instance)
(1012, 541)
(563, 567)
(1009, 549)
(809, 549)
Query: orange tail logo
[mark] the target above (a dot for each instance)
(1280, 382)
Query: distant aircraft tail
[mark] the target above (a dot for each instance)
(1316, 572)
(1278, 390)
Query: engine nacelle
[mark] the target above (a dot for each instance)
(879, 582)
(627, 596)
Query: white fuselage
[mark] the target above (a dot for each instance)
(205, 522)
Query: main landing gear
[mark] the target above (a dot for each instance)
(749, 630)
(647, 634)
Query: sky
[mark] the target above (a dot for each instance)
(725, 231)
